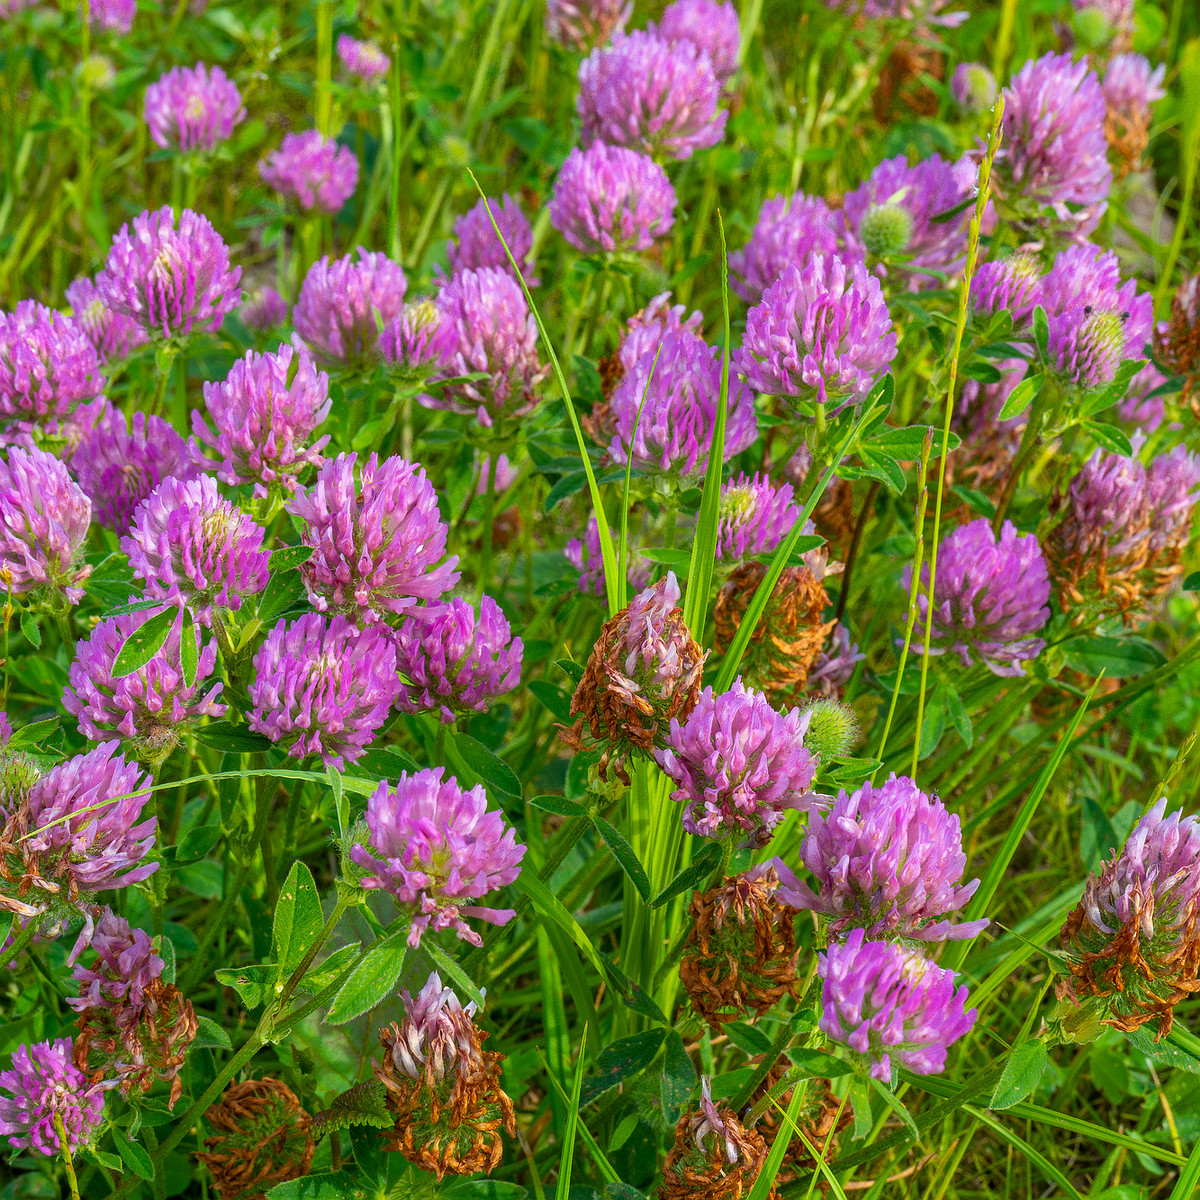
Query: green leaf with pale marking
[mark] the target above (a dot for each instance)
(624, 854)
(298, 919)
(143, 643)
(371, 982)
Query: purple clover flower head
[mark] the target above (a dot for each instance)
(608, 199)
(835, 664)
(506, 474)
(112, 16)
(647, 94)
(646, 329)
(1083, 274)
(1054, 153)
(265, 310)
(118, 466)
(418, 343)
(44, 1083)
(678, 417)
(990, 598)
(376, 546)
(12, 8)
(455, 661)
(738, 764)
(127, 965)
(193, 108)
(1117, 14)
(754, 517)
(585, 24)
(48, 365)
(1172, 480)
(433, 845)
(973, 87)
(1131, 84)
(475, 244)
(342, 304)
(82, 828)
(887, 860)
(821, 331)
(195, 549)
(150, 706)
(895, 213)
(1131, 939)
(1086, 347)
(437, 1036)
(494, 332)
(887, 1001)
(311, 172)
(585, 556)
(710, 26)
(323, 686)
(264, 425)
(44, 520)
(170, 280)
(1012, 283)
(364, 60)
(789, 230)
(113, 335)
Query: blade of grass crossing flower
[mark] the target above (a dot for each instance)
(733, 657)
(774, 1160)
(623, 549)
(1023, 1147)
(985, 176)
(704, 546)
(567, 1161)
(598, 1156)
(982, 900)
(607, 550)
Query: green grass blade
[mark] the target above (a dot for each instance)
(567, 1161)
(623, 548)
(981, 902)
(774, 1161)
(598, 1156)
(607, 550)
(741, 639)
(704, 545)
(1020, 1144)
(1189, 1178)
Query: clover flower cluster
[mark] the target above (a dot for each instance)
(44, 520)
(899, 215)
(475, 244)
(821, 332)
(989, 598)
(196, 550)
(48, 365)
(754, 516)
(44, 1088)
(265, 310)
(646, 93)
(376, 543)
(740, 765)
(311, 172)
(265, 415)
(490, 330)
(665, 408)
(193, 108)
(584, 24)
(433, 845)
(609, 199)
(1132, 942)
(119, 463)
(323, 686)
(149, 706)
(364, 60)
(113, 334)
(711, 26)
(343, 304)
(171, 279)
(789, 230)
(453, 661)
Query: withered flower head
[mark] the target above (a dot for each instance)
(1177, 343)
(714, 1157)
(821, 1118)
(790, 633)
(262, 1139)
(442, 1087)
(643, 672)
(131, 1023)
(1134, 938)
(741, 953)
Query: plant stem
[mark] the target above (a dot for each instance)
(22, 940)
(324, 104)
(1030, 437)
(489, 522)
(860, 525)
(64, 1148)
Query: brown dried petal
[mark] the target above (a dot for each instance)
(692, 1174)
